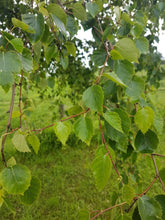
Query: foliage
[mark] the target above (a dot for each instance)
(41, 50)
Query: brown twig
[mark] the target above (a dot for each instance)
(103, 139)
(8, 125)
(20, 94)
(105, 210)
(159, 155)
(157, 172)
(70, 117)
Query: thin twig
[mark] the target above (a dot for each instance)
(157, 172)
(103, 139)
(8, 125)
(70, 117)
(20, 94)
(105, 210)
(159, 155)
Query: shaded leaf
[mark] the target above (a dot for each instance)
(27, 60)
(31, 194)
(37, 23)
(125, 120)
(146, 143)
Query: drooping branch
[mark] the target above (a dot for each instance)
(105, 210)
(8, 125)
(20, 95)
(65, 119)
(103, 139)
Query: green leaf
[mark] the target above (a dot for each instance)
(161, 200)
(149, 208)
(71, 49)
(92, 8)
(37, 22)
(109, 88)
(93, 98)
(146, 143)
(99, 57)
(127, 49)
(64, 62)
(17, 43)
(49, 52)
(83, 128)
(114, 120)
(101, 167)
(37, 50)
(16, 179)
(112, 76)
(137, 30)
(9, 63)
(27, 60)
(62, 130)
(56, 10)
(162, 174)
(136, 215)
(115, 55)
(59, 24)
(31, 194)
(79, 11)
(142, 44)
(124, 70)
(22, 25)
(128, 193)
(34, 142)
(84, 215)
(19, 142)
(135, 88)
(158, 123)
(2, 194)
(116, 135)
(71, 26)
(125, 120)
(144, 118)
(11, 162)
